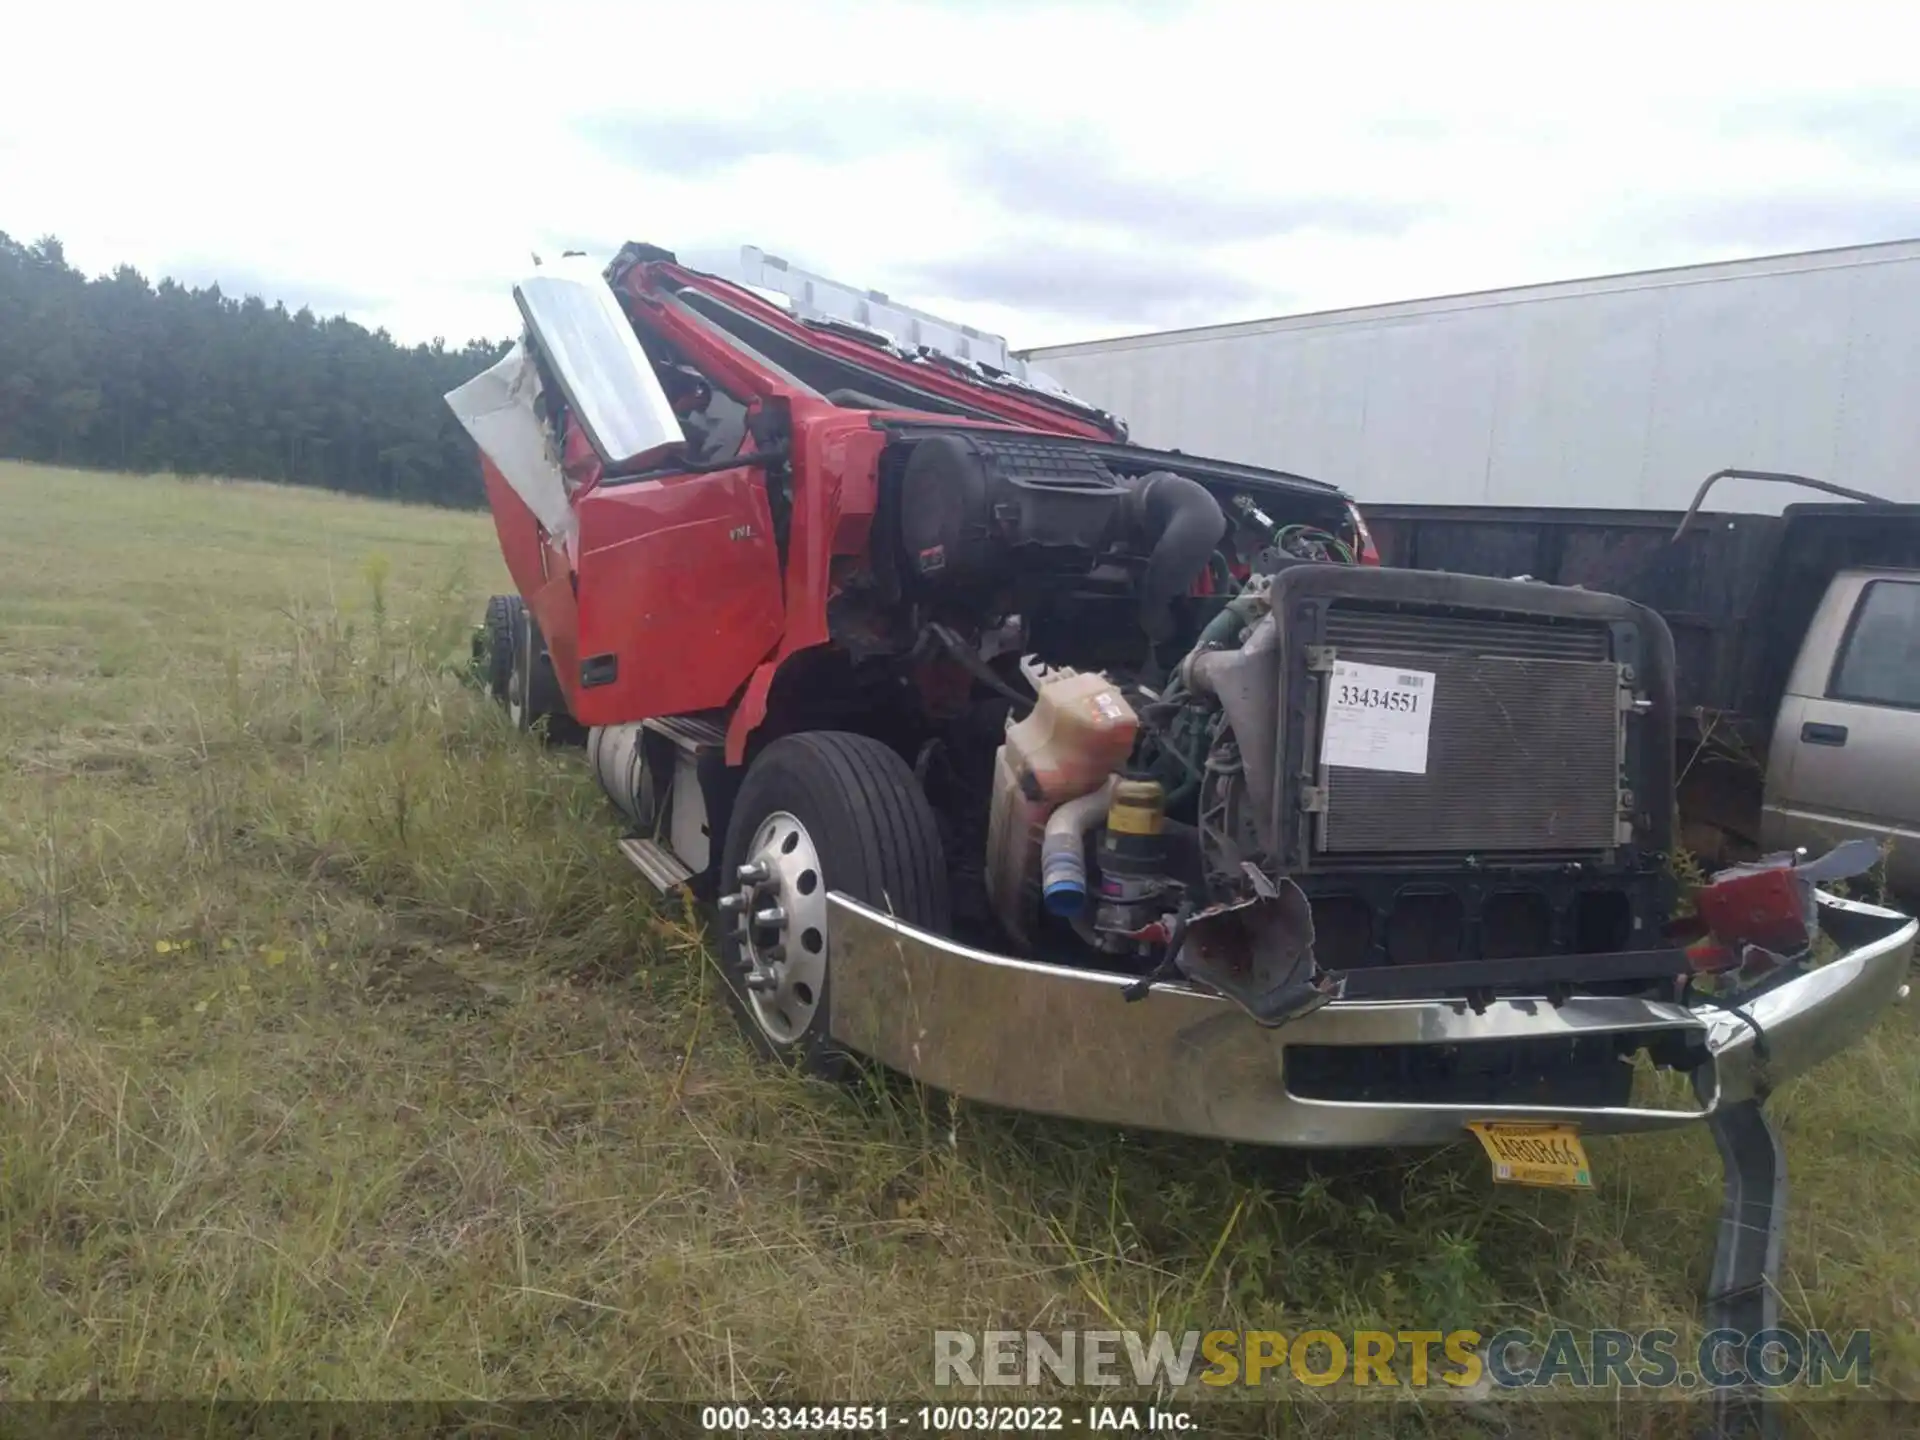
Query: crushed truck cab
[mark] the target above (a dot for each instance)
(1079, 777)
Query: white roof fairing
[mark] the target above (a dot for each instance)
(814, 297)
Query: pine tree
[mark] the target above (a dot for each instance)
(119, 373)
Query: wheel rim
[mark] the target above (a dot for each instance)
(779, 915)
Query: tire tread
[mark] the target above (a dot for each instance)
(889, 849)
(857, 761)
(503, 613)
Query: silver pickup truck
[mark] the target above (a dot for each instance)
(1844, 759)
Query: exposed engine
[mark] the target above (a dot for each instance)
(1235, 754)
(1039, 526)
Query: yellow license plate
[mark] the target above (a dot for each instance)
(1529, 1154)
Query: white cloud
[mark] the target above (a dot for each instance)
(1051, 172)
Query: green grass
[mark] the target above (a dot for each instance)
(341, 1056)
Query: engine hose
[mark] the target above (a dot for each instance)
(1188, 787)
(1186, 525)
(1161, 756)
(1224, 628)
(1063, 851)
(1219, 630)
(1194, 768)
(1199, 763)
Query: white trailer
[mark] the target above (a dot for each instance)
(1619, 392)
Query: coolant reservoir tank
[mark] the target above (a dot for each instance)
(1079, 732)
(1015, 826)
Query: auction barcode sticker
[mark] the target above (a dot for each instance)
(1377, 718)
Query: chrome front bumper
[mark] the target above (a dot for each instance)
(1059, 1041)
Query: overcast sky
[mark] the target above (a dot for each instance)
(1052, 172)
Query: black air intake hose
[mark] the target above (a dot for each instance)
(1185, 524)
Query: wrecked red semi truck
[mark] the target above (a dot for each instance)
(1077, 777)
(1073, 776)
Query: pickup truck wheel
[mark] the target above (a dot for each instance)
(817, 811)
(503, 614)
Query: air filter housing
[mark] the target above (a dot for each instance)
(976, 511)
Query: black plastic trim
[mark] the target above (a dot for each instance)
(1137, 459)
(1403, 982)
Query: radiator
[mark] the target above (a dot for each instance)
(1523, 741)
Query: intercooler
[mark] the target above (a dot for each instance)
(1523, 737)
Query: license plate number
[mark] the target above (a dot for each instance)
(1531, 1154)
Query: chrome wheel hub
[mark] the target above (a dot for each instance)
(778, 915)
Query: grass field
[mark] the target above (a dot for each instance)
(341, 1055)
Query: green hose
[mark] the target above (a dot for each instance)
(1223, 630)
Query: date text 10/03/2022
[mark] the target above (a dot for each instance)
(946, 1419)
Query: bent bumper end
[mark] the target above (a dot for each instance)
(1767, 1038)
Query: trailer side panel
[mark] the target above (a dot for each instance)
(1616, 392)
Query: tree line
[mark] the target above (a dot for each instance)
(121, 374)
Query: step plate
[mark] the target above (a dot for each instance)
(692, 733)
(659, 864)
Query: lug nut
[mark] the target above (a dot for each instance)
(773, 917)
(760, 980)
(754, 874)
(731, 903)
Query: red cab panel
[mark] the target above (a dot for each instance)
(679, 595)
(542, 572)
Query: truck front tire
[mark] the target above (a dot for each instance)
(818, 811)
